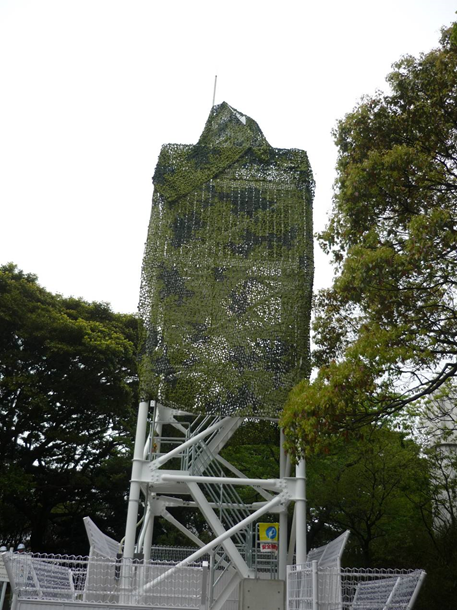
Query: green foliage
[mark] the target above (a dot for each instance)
(67, 396)
(381, 486)
(385, 332)
(368, 486)
(227, 272)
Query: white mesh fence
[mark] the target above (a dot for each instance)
(82, 580)
(76, 580)
(312, 587)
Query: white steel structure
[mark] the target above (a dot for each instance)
(105, 578)
(187, 470)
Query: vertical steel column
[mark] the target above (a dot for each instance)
(283, 545)
(134, 494)
(148, 541)
(301, 526)
(292, 539)
(283, 535)
(149, 535)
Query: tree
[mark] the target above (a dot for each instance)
(434, 425)
(379, 486)
(67, 400)
(370, 487)
(385, 332)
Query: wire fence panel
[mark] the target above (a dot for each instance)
(75, 581)
(313, 587)
(330, 554)
(181, 589)
(299, 587)
(80, 580)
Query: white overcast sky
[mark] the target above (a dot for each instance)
(91, 89)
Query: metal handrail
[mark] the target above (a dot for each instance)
(227, 493)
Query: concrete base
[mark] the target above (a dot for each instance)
(262, 594)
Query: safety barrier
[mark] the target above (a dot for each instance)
(79, 580)
(66, 582)
(312, 587)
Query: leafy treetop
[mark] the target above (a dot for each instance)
(385, 332)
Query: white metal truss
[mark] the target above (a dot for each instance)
(201, 483)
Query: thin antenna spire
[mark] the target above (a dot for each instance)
(214, 91)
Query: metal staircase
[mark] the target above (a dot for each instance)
(231, 508)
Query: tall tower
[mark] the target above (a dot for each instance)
(227, 272)
(225, 301)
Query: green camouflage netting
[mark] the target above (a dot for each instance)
(227, 273)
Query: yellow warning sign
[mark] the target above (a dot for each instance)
(268, 532)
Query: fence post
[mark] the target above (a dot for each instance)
(212, 579)
(204, 597)
(314, 584)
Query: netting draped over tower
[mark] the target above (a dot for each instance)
(227, 272)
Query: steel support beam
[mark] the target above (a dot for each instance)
(301, 517)
(219, 530)
(134, 494)
(218, 541)
(272, 484)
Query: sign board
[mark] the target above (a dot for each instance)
(268, 536)
(268, 547)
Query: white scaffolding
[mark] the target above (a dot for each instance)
(187, 470)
